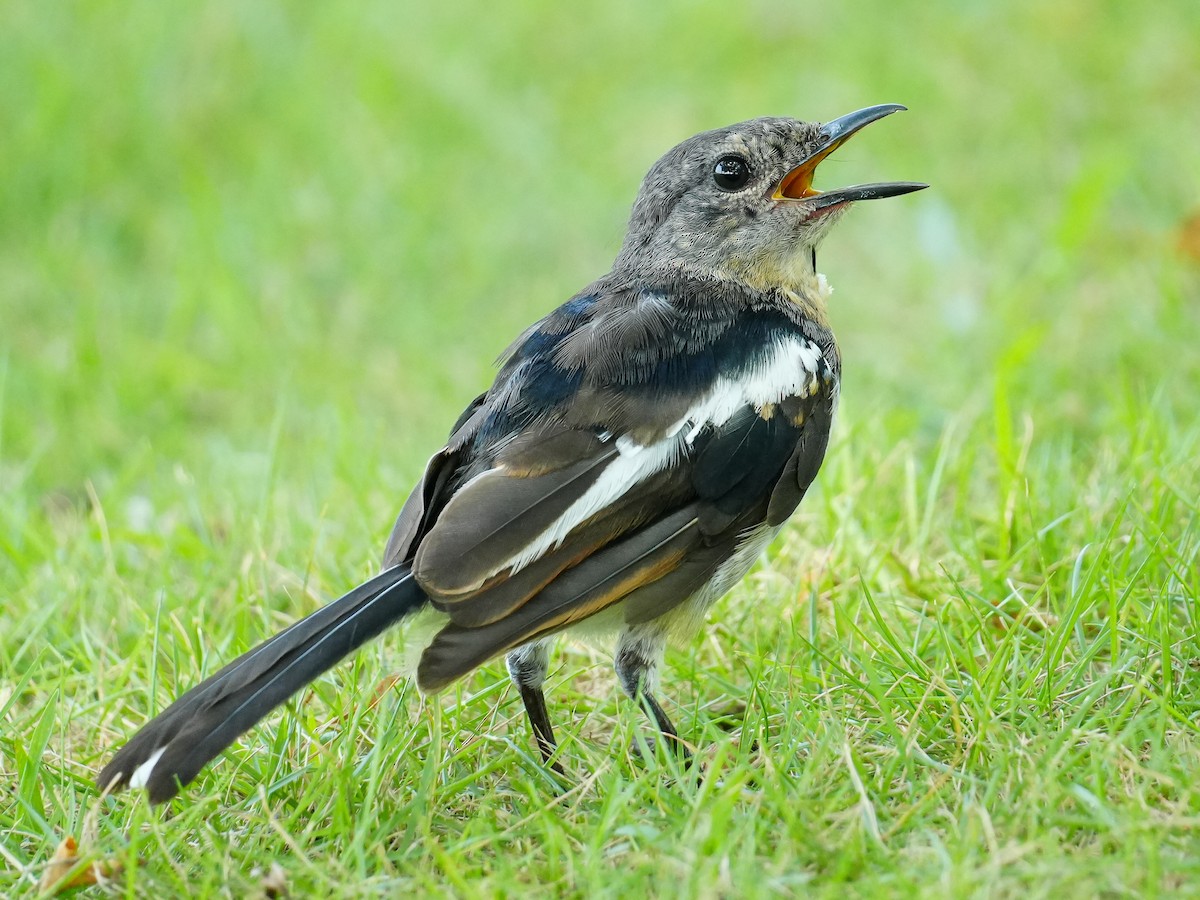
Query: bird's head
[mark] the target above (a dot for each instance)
(739, 202)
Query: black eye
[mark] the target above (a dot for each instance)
(731, 173)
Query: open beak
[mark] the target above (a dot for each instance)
(797, 184)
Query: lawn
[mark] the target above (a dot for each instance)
(254, 259)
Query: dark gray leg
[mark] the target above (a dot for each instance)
(527, 667)
(637, 658)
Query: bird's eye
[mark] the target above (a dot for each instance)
(731, 173)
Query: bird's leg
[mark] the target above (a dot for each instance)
(527, 667)
(636, 662)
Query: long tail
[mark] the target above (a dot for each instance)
(169, 751)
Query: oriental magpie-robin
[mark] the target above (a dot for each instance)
(638, 449)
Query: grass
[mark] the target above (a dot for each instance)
(255, 258)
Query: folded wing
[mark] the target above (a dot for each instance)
(565, 521)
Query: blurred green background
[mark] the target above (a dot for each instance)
(246, 214)
(255, 257)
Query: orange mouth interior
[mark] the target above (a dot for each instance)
(797, 184)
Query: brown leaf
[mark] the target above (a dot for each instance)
(1188, 239)
(382, 688)
(58, 878)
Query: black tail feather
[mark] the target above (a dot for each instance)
(170, 750)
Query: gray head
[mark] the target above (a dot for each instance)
(739, 201)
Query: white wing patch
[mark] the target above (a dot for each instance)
(141, 775)
(790, 370)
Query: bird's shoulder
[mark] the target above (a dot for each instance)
(637, 373)
(628, 354)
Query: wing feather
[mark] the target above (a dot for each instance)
(534, 517)
(603, 578)
(489, 521)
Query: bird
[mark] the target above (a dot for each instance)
(639, 448)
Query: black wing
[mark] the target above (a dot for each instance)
(527, 522)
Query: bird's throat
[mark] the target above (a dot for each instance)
(812, 296)
(796, 278)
